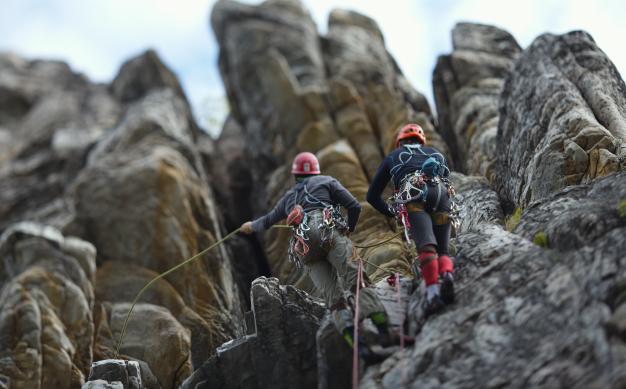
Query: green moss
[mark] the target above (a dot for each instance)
(541, 239)
(621, 208)
(513, 220)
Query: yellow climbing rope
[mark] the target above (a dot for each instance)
(201, 253)
(379, 243)
(152, 281)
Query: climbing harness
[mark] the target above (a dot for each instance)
(413, 188)
(299, 221)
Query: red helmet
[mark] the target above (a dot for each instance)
(411, 131)
(305, 163)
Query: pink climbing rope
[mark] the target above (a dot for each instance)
(355, 336)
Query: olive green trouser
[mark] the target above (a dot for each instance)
(334, 274)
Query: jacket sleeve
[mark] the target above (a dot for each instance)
(340, 195)
(377, 187)
(277, 214)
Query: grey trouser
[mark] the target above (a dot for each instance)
(334, 274)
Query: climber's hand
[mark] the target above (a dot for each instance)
(246, 228)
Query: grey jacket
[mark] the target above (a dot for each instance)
(315, 192)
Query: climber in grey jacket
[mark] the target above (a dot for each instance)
(321, 244)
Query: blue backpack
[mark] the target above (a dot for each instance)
(433, 167)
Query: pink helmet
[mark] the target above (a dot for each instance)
(305, 163)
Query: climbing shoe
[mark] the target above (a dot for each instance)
(432, 306)
(393, 338)
(447, 288)
(375, 354)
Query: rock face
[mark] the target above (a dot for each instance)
(154, 210)
(103, 187)
(467, 85)
(561, 301)
(46, 307)
(114, 372)
(50, 116)
(562, 118)
(508, 116)
(279, 350)
(340, 95)
(118, 166)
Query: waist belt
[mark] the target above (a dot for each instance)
(439, 218)
(415, 207)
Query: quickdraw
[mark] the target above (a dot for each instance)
(402, 215)
(455, 210)
(412, 188)
(298, 246)
(332, 219)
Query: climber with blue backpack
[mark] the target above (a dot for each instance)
(422, 203)
(320, 244)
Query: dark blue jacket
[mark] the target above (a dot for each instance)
(399, 163)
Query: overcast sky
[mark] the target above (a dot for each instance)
(96, 36)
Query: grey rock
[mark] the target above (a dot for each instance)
(282, 351)
(562, 302)
(467, 85)
(156, 209)
(577, 216)
(141, 75)
(563, 89)
(334, 357)
(117, 372)
(341, 95)
(42, 102)
(154, 336)
(102, 384)
(268, 55)
(355, 54)
(46, 303)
